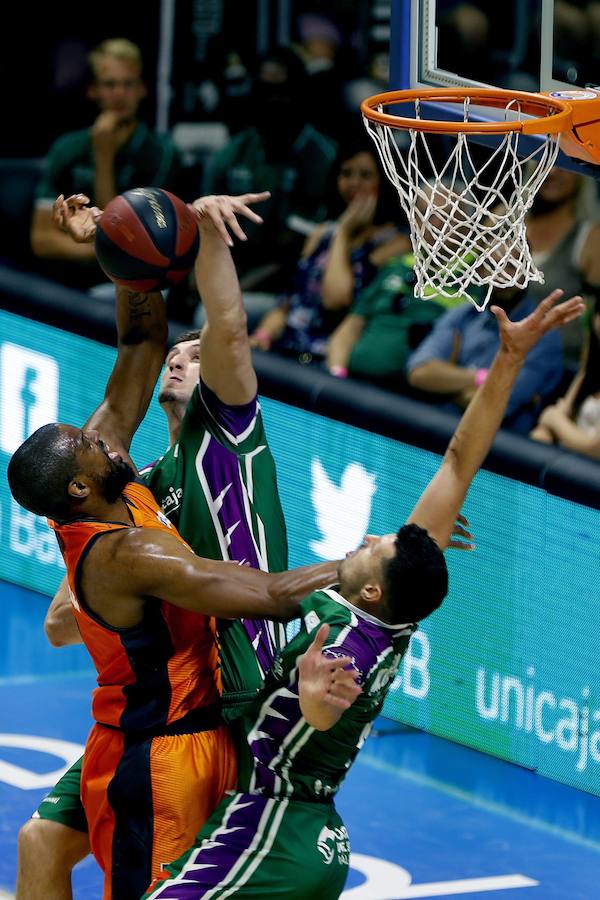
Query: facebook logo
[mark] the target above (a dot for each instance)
(28, 393)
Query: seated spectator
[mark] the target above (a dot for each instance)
(287, 157)
(453, 360)
(564, 237)
(384, 325)
(117, 153)
(574, 421)
(339, 259)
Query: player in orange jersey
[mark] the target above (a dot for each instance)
(158, 758)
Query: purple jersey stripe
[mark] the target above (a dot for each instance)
(234, 420)
(243, 825)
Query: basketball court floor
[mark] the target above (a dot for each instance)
(427, 818)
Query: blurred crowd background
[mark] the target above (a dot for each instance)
(220, 96)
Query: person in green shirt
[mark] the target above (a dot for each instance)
(384, 326)
(116, 153)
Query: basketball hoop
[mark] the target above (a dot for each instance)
(467, 217)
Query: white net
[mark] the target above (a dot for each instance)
(466, 216)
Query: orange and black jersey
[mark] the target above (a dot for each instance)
(153, 674)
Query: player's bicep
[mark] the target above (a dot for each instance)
(227, 367)
(157, 564)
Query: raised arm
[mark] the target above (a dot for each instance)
(225, 357)
(126, 568)
(337, 287)
(441, 501)
(141, 331)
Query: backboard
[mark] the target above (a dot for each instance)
(527, 45)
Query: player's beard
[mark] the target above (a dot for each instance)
(168, 396)
(119, 475)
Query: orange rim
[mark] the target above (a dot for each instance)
(552, 115)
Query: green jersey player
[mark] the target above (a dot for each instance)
(280, 836)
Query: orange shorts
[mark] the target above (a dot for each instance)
(145, 801)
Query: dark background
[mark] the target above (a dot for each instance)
(43, 68)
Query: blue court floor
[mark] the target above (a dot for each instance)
(426, 818)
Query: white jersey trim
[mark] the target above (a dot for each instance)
(337, 597)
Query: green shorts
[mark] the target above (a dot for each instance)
(257, 848)
(63, 803)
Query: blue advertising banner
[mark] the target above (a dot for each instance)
(508, 665)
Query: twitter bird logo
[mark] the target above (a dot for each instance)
(342, 513)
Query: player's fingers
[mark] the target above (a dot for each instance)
(77, 200)
(564, 313)
(234, 225)
(549, 301)
(462, 519)
(346, 693)
(499, 313)
(216, 217)
(460, 545)
(320, 638)
(338, 702)
(344, 679)
(569, 309)
(243, 210)
(573, 314)
(337, 663)
(346, 684)
(253, 198)
(459, 530)
(57, 210)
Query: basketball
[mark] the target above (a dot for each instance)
(147, 239)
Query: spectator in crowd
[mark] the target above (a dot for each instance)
(573, 421)
(384, 325)
(340, 257)
(289, 157)
(117, 153)
(454, 359)
(564, 237)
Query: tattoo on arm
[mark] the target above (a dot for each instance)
(138, 309)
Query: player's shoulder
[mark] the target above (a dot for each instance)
(326, 606)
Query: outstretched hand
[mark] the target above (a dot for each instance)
(326, 688)
(517, 338)
(74, 216)
(221, 212)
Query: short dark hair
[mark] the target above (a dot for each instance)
(186, 336)
(39, 473)
(415, 579)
